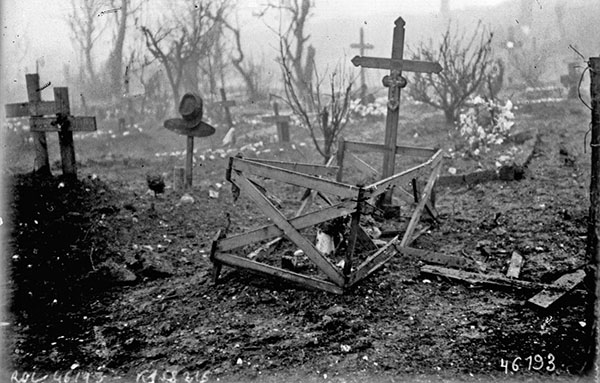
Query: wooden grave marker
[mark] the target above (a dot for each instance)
(226, 104)
(394, 81)
(342, 200)
(282, 123)
(191, 125)
(362, 46)
(40, 122)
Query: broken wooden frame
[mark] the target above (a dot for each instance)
(343, 200)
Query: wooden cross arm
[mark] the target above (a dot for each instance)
(49, 124)
(363, 46)
(396, 64)
(34, 108)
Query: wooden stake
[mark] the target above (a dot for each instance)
(42, 164)
(189, 161)
(593, 248)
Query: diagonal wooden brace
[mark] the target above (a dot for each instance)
(384, 254)
(288, 229)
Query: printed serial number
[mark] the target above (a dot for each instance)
(535, 362)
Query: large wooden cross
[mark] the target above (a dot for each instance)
(394, 81)
(62, 122)
(362, 46)
(281, 122)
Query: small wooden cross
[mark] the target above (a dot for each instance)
(226, 104)
(362, 46)
(62, 122)
(570, 80)
(394, 81)
(282, 123)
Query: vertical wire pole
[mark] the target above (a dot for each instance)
(593, 310)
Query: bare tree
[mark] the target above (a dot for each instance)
(295, 14)
(86, 27)
(249, 70)
(332, 108)
(180, 43)
(123, 11)
(466, 62)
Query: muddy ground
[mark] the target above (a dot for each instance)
(110, 280)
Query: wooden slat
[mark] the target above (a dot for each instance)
(375, 261)
(514, 268)
(311, 169)
(288, 230)
(77, 124)
(493, 279)
(415, 151)
(298, 223)
(445, 260)
(236, 261)
(416, 216)
(399, 179)
(469, 179)
(294, 178)
(276, 119)
(397, 64)
(362, 165)
(28, 109)
(566, 283)
(364, 147)
(368, 147)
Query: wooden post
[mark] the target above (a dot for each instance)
(225, 105)
(391, 123)
(65, 135)
(394, 82)
(42, 164)
(189, 161)
(283, 126)
(593, 283)
(281, 122)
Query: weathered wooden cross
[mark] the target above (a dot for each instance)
(362, 46)
(226, 104)
(570, 81)
(394, 81)
(62, 122)
(282, 123)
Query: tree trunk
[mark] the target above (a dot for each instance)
(115, 61)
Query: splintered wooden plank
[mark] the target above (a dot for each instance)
(76, 124)
(429, 256)
(304, 280)
(311, 169)
(514, 268)
(27, 109)
(397, 64)
(288, 229)
(294, 178)
(299, 223)
(566, 283)
(416, 216)
(492, 279)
